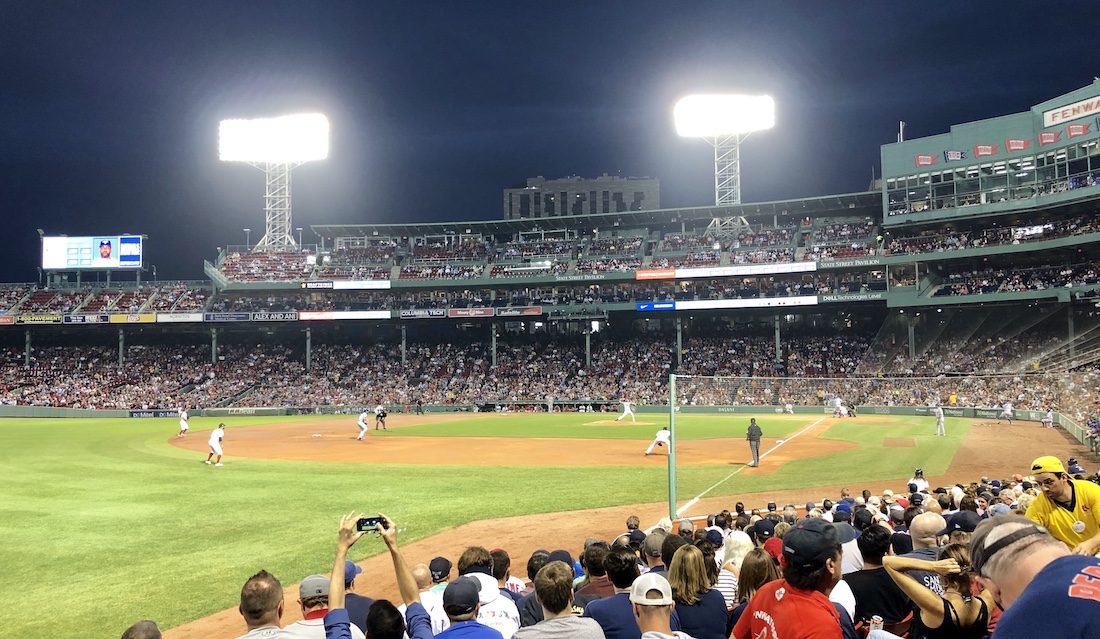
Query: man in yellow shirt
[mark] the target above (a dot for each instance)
(1068, 508)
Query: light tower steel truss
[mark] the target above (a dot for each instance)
(727, 168)
(277, 207)
(727, 228)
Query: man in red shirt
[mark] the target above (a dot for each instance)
(797, 606)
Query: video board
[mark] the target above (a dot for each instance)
(91, 252)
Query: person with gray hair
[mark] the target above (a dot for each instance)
(142, 630)
(790, 514)
(1031, 574)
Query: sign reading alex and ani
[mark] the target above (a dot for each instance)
(1079, 109)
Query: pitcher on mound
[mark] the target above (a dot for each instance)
(627, 410)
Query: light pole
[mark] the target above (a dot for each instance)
(154, 273)
(724, 121)
(247, 236)
(299, 229)
(275, 146)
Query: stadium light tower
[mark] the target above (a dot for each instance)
(275, 146)
(724, 121)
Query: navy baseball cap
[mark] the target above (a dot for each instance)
(351, 571)
(810, 542)
(461, 596)
(105, 242)
(964, 520)
(440, 568)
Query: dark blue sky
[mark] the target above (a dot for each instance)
(109, 110)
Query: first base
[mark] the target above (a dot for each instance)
(316, 434)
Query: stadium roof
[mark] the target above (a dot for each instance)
(845, 204)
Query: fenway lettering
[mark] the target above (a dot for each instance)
(1071, 111)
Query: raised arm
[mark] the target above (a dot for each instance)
(405, 582)
(345, 540)
(930, 604)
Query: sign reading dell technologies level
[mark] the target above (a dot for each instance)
(93, 252)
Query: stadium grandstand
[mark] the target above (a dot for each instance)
(976, 256)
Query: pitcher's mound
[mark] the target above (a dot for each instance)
(899, 442)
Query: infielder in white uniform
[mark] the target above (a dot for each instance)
(216, 436)
(938, 413)
(1048, 419)
(627, 410)
(363, 417)
(660, 440)
(183, 422)
(838, 404)
(1006, 413)
(379, 416)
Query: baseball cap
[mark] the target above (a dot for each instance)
(888, 496)
(844, 532)
(996, 483)
(916, 499)
(461, 596)
(844, 507)
(771, 506)
(714, 537)
(1047, 464)
(774, 547)
(912, 486)
(313, 586)
(637, 536)
(810, 542)
(901, 501)
(648, 583)
(862, 519)
(440, 568)
(999, 509)
(964, 520)
(765, 529)
(351, 571)
(563, 556)
(918, 472)
(1072, 461)
(105, 242)
(810, 506)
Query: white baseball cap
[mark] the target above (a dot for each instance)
(647, 583)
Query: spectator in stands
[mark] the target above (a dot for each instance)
(440, 568)
(598, 583)
(960, 526)
(356, 605)
(262, 606)
(1031, 574)
(1068, 508)
(495, 610)
(502, 565)
(652, 603)
(874, 590)
(702, 609)
(757, 569)
(142, 630)
(614, 613)
(554, 591)
(812, 556)
(313, 595)
(956, 612)
(926, 547)
(651, 552)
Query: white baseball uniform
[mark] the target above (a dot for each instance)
(379, 416)
(1006, 413)
(363, 417)
(1048, 419)
(216, 436)
(938, 412)
(183, 422)
(662, 439)
(627, 410)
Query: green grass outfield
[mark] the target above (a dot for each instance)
(104, 522)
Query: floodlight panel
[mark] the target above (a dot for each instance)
(705, 116)
(290, 138)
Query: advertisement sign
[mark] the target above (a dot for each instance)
(275, 317)
(423, 313)
(179, 317)
(1073, 111)
(519, 311)
(656, 306)
(727, 271)
(346, 285)
(470, 312)
(38, 319)
(7, 320)
(852, 297)
(134, 318)
(767, 302)
(307, 316)
(154, 413)
(227, 317)
(87, 319)
(92, 252)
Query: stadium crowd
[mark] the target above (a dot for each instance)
(992, 556)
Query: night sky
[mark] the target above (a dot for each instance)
(109, 110)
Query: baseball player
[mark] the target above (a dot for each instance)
(938, 413)
(1048, 419)
(1006, 413)
(838, 407)
(183, 422)
(216, 444)
(660, 440)
(379, 416)
(627, 410)
(789, 409)
(363, 417)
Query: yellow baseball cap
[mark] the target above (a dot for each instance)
(1047, 464)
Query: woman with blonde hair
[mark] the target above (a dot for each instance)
(701, 608)
(954, 615)
(737, 545)
(757, 569)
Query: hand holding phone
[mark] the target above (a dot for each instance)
(369, 524)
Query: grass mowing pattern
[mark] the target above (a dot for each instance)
(110, 519)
